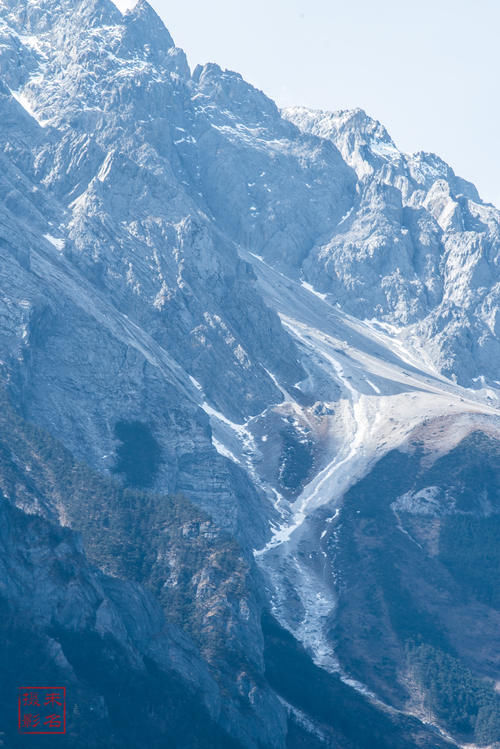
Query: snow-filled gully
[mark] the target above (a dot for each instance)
(386, 392)
(386, 389)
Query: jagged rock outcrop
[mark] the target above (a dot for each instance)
(419, 249)
(215, 319)
(106, 640)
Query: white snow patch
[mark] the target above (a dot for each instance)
(124, 5)
(56, 242)
(188, 139)
(346, 216)
(196, 384)
(25, 103)
(424, 502)
(213, 413)
(222, 450)
(386, 150)
(312, 290)
(374, 387)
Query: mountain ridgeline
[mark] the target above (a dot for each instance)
(249, 390)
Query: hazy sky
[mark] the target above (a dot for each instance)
(429, 70)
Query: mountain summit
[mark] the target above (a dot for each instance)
(250, 406)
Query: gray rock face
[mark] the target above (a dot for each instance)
(425, 557)
(204, 296)
(52, 596)
(40, 556)
(179, 594)
(257, 153)
(419, 249)
(120, 280)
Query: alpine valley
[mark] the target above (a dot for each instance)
(250, 408)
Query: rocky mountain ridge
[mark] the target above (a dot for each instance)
(424, 238)
(205, 296)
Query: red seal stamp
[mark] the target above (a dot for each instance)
(42, 710)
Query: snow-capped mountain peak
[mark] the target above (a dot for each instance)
(238, 320)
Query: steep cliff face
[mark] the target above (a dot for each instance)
(202, 586)
(419, 249)
(105, 639)
(221, 325)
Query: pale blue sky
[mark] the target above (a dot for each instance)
(429, 70)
